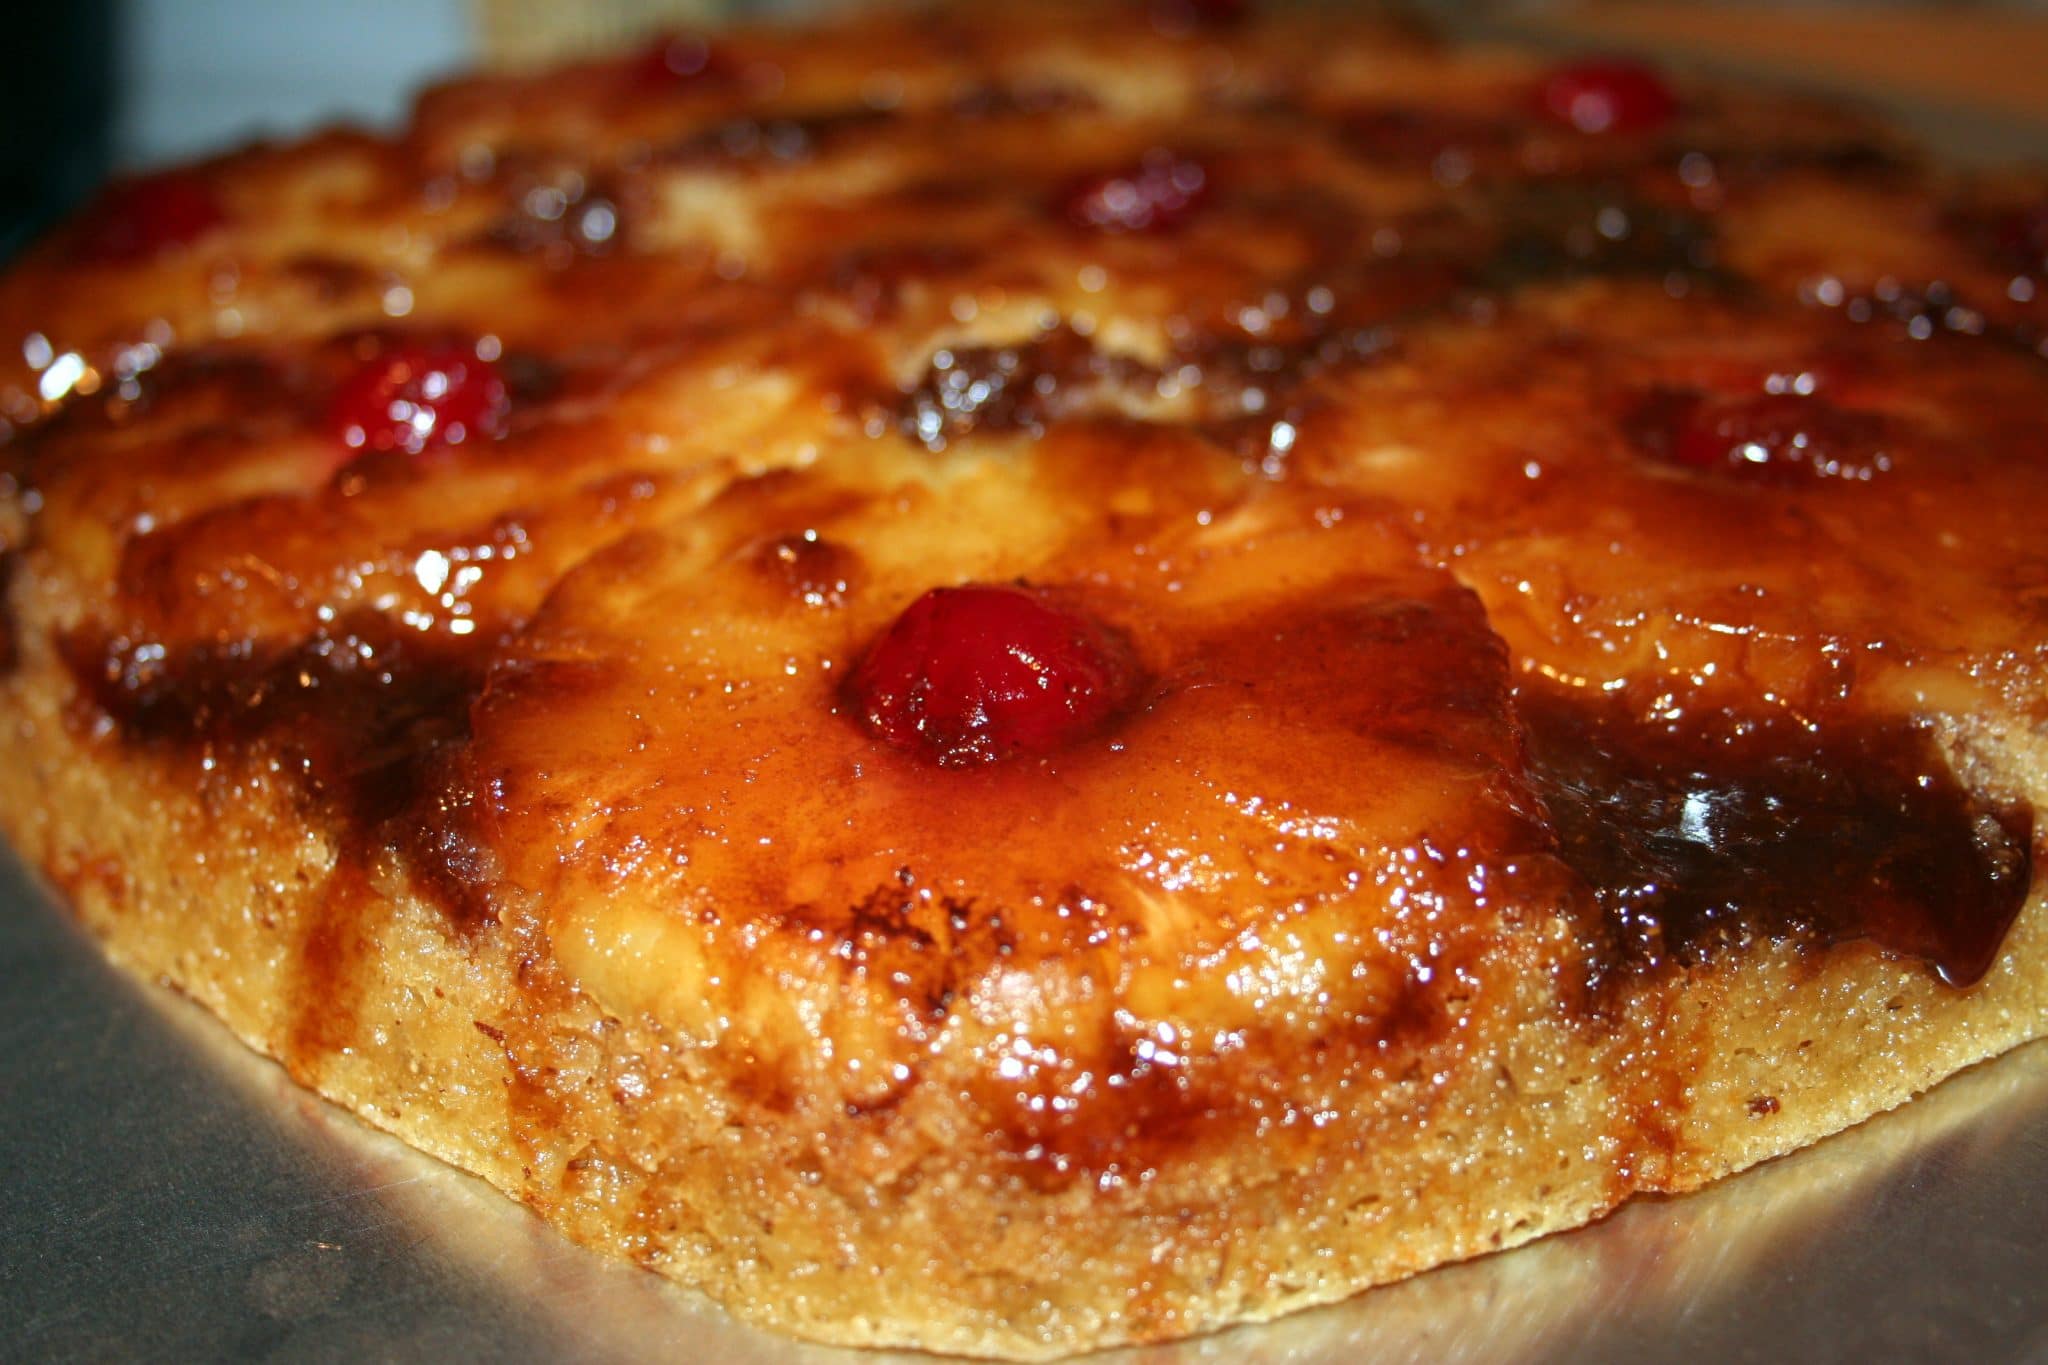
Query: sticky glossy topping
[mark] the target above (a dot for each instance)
(1156, 195)
(678, 59)
(135, 220)
(980, 673)
(416, 397)
(1776, 438)
(1607, 96)
(1698, 833)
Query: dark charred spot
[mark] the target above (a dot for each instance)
(883, 920)
(872, 279)
(531, 378)
(1846, 158)
(1412, 138)
(1563, 232)
(1696, 836)
(1256, 396)
(1740, 154)
(908, 946)
(1017, 388)
(1020, 101)
(1763, 1106)
(768, 141)
(561, 218)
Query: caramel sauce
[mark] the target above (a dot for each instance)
(1352, 735)
(1696, 837)
(366, 715)
(744, 141)
(1556, 231)
(356, 708)
(1018, 388)
(367, 721)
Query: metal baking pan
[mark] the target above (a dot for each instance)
(169, 1196)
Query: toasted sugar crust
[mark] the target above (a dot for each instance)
(447, 780)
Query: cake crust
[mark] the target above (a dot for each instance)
(1574, 588)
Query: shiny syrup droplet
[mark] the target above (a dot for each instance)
(981, 673)
(1606, 95)
(416, 397)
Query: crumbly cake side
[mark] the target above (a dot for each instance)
(1541, 562)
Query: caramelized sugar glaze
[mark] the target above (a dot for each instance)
(1538, 539)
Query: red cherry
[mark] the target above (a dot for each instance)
(134, 220)
(980, 673)
(1156, 195)
(2019, 237)
(1778, 438)
(1179, 16)
(1607, 96)
(675, 59)
(416, 396)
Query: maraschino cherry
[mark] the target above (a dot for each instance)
(136, 220)
(985, 672)
(1775, 438)
(1606, 95)
(1180, 16)
(673, 60)
(1156, 195)
(417, 396)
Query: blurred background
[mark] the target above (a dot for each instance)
(93, 86)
